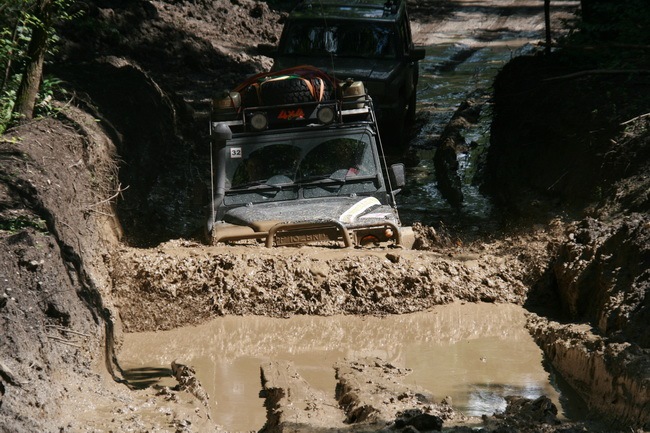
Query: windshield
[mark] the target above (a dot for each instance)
(348, 39)
(280, 169)
(276, 163)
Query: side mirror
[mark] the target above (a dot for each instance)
(397, 177)
(417, 54)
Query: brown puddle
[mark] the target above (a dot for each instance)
(475, 353)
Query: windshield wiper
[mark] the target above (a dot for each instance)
(260, 184)
(327, 178)
(334, 178)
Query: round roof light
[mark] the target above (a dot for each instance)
(325, 115)
(259, 122)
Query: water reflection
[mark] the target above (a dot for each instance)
(464, 351)
(144, 377)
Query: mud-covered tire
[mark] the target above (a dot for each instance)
(291, 91)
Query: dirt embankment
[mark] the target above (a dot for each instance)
(68, 218)
(569, 137)
(58, 323)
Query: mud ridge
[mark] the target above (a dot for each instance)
(612, 377)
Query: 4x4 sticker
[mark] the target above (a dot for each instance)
(291, 114)
(235, 152)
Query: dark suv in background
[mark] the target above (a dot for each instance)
(366, 40)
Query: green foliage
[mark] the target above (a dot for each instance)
(49, 87)
(17, 18)
(17, 224)
(6, 107)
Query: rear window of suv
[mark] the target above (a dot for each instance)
(342, 39)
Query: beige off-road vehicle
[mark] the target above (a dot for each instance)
(296, 159)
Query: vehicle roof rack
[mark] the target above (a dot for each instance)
(304, 114)
(390, 7)
(302, 96)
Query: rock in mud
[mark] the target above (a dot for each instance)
(187, 381)
(370, 391)
(292, 405)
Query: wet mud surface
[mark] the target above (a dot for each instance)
(471, 354)
(98, 240)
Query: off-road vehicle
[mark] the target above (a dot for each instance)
(295, 160)
(366, 40)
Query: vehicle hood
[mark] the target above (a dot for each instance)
(358, 69)
(347, 210)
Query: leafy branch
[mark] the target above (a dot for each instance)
(27, 37)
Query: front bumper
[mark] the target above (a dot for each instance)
(309, 232)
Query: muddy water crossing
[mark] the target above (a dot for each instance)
(450, 74)
(475, 353)
(465, 51)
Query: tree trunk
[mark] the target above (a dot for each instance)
(547, 22)
(31, 81)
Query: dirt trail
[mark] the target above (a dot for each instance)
(494, 271)
(485, 23)
(72, 283)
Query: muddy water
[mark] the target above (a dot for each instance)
(450, 74)
(475, 353)
(464, 52)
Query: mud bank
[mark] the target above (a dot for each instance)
(602, 277)
(386, 404)
(584, 154)
(53, 320)
(58, 370)
(611, 377)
